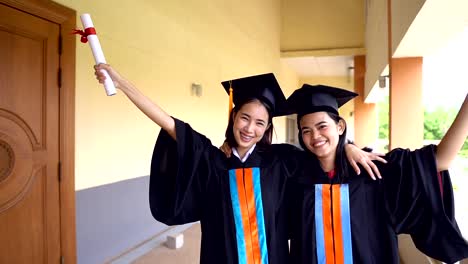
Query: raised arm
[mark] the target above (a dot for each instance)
(453, 140)
(148, 107)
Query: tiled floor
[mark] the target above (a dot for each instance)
(188, 254)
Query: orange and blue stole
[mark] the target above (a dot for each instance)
(246, 197)
(332, 224)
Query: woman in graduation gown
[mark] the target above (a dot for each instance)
(341, 217)
(239, 201)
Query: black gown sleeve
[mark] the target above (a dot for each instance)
(295, 218)
(180, 173)
(295, 162)
(291, 158)
(417, 207)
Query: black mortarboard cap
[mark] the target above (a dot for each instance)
(263, 87)
(316, 98)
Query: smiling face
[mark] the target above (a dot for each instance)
(320, 134)
(250, 123)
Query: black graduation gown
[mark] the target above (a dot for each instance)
(239, 205)
(358, 220)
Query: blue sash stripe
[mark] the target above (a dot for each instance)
(241, 251)
(319, 235)
(346, 224)
(259, 212)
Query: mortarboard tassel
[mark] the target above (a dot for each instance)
(230, 99)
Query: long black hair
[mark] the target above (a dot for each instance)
(341, 163)
(267, 137)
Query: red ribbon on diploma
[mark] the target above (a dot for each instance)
(84, 34)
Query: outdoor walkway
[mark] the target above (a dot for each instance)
(188, 254)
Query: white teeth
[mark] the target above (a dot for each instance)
(246, 138)
(319, 144)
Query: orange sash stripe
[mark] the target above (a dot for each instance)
(249, 190)
(327, 224)
(337, 224)
(245, 216)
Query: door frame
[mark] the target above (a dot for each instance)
(66, 18)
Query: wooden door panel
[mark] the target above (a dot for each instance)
(30, 55)
(29, 139)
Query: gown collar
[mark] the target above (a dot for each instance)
(234, 151)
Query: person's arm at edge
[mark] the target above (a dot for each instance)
(148, 107)
(454, 139)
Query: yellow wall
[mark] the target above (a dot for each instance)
(289, 83)
(163, 47)
(346, 111)
(312, 25)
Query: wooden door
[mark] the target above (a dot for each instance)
(29, 139)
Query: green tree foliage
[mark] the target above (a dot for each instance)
(436, 123)
(382, 110)
(464, 151)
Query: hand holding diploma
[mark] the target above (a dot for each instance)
(89, 35)
(105, 72)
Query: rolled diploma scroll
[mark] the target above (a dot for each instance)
(97, 53)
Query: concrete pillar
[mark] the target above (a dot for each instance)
(406, 126)
(365, 115)
(406, 122)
